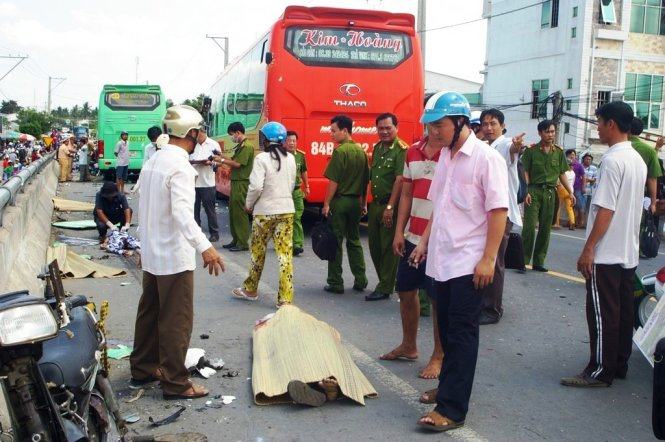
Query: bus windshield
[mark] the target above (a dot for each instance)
(132, 100)
(359, 48)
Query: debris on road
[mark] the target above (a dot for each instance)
(204, 336)
(120, 352)
(123, 284)
(226, 400)
(131, 418)
(136, 397)
(167, 420)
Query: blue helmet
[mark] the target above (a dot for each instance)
(274, 131)
(475, 118)
(445, 104)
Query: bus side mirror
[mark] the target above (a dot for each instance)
(269, 57)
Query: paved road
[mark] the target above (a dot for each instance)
(517, 396)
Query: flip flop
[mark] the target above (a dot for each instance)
(197, 391)
(441, 423)
(390, 356)
(429, 397)
(241, 294)
(303, 394)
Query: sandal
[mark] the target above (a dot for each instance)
(429, 397)
(303, 394)
(281, 304)
(441, 423)
(330, 388)
(240, 293)
(193, 392)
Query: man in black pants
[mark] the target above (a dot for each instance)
(206, 192)
(111, 208)
(611, 251)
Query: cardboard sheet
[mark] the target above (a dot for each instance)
(65, 205)
(74, 266)
(294, 345)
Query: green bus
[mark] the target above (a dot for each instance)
(130, 108)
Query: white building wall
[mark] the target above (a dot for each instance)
(436, 82)
(519, 51)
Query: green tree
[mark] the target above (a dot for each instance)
(196, 103)
(169, 102)
(76, 111)
(9, 107)
(85, 110)
(34, 123)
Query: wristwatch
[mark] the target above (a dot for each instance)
(389, 207)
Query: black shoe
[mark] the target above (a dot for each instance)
(332, 289)
(487, 319)
(359, 288)
(540, 269)
(238, 249)
(229, 245)
(377, 296)
(136, 384)
(213, 238)
(297, 251)
(521, 271)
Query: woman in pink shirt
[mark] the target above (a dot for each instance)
(469, 193)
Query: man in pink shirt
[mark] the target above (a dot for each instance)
(469, 194)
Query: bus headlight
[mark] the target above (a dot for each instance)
(27, 323)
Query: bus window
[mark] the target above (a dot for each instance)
(131, 100)
(348, 48)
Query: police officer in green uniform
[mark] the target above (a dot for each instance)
(241, 166)
(386, 184)
(346, 202)
(298, 194)
(650, 157)
(544, 163)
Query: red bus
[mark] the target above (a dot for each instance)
(316, 63)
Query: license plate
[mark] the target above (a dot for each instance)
(133, 154)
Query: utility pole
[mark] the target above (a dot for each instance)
(422, 26)
(20, 59)
(51, 89)
(224, 48)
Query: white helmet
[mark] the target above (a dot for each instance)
(162, 141)
(180, 119)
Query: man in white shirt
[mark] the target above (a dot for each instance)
(492, 121)
(205, 189)
(611, 251)
(121, 152)
(150, 148)
(170, 239)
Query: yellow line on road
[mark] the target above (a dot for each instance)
(563, 276)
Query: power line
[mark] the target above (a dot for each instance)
(483, 18)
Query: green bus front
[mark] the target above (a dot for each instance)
(132, 109)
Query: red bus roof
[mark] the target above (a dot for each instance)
(361, 17)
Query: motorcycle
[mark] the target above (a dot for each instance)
(648, 291)
(53, 375)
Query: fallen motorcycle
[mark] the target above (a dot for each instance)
(648, 290)
(53, 379)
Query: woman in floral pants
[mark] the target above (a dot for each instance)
(269, 198)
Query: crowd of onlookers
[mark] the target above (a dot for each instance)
(17, 154)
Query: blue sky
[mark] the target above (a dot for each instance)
(95, 42)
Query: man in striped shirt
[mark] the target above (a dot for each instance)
(413, 214)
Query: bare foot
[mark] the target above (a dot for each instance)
(432, 369)
(401, 352)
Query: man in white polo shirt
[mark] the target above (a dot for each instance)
(205, 182)
(611, 251)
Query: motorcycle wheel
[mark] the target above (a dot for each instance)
(645, 305)
(95, 431)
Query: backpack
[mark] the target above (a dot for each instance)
(649, 239)
(523, 190)
(324, 242)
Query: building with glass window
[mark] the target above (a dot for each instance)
(591, 51)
